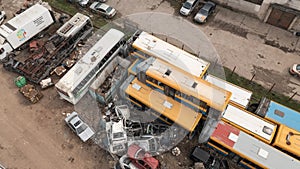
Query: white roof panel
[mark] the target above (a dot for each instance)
(239, 95)
(158, 48)
(263, 153)
(249, 122)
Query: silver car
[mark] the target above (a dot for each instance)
(103, 9)
(188, 7)
(295, 70)
(79, 127)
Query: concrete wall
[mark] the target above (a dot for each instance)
(261, 11)
(295, 4)
(241, 5)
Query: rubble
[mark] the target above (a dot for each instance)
(176, 151)
(31, 93)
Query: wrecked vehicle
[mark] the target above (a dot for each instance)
(79, 127)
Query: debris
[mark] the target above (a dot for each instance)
(31, 93)
(46, 83)
(20, 81)
(199, 165)
(60, 70)
(176, 151)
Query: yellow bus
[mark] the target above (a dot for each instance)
(249, 151)
(183, 87)
(288, 140)
(164, 107)
(146, 45)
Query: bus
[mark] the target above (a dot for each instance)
(164, 107)
(249, 151)
(288, 140)
(278, 113)
(183, 87)
(146, 45)
(250, 123)
(74, 84)
(240, 97)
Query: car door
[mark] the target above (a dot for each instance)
(102, 11)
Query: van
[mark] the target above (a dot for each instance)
(188, 6)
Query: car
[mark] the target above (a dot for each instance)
(103, 9)
(79, 127)
(2, 16)
(83, 3)
(205, 11)
(188, 6)
(295, 70)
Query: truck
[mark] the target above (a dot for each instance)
(17, 31)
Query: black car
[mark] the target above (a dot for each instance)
(206, 10)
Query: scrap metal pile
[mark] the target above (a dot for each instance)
(31, 93)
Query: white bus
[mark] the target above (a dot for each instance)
(240, 96)
(73, 85)
(250, 123)
(147, 45)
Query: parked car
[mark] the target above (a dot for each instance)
(103, 9)
(79, 127)
(295, 70)
(83, 3)
(188, 6)
(2, 16)
(205, 11)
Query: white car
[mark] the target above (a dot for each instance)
(188, 7)
(103, 9)
(83, 3)
(79, 127)
(295, 70)
(2, 16)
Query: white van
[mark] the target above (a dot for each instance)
(188, 7)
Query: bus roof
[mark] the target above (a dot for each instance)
(89, 61)
(73, 25)
(251, 148)
(250, 123)
(158, 48)
(239, 96)
(168, 74)
(288, 139)
(283, 115)
(175, 111)
(29, 14)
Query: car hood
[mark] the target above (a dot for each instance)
(200, 17)
(184, 11)
(83, 2)
(86, 134)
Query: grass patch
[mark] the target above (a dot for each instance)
(73, 8)
(259, 91)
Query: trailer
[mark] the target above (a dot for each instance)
(23, 27)
(38, 66)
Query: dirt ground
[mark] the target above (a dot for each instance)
(36, 137)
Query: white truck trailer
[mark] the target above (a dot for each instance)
(23, 27)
